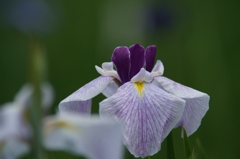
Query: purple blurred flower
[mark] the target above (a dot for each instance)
(159, 17)
(30, 16)
(147, 104)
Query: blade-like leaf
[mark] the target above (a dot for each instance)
(204, 154)
(170, 147)
(187, 148)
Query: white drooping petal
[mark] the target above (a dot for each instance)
(14, 131)
(158, 69)
(13, 149)
(80, 101)
(147, 114)
(60, 134)
(107, 70)
(197, 103)
(91, 137)
(12, 122)
(48, 95)
(110, 89)
(142, 76)
(24, 96)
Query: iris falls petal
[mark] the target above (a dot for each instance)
(80, 101)
(197, 103)
(79, 107)
(110, 89)
(147, 114)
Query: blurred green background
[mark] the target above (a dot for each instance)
(197, 41)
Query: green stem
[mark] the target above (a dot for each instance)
(187, 148)
(37, 71)
(170, 147)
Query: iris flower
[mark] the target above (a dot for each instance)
(91, 137)
(147, 104)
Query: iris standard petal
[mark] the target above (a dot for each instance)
(197, 103)
(121, 60)
(110, 89)
(137, 59)
(150, 54)
(147, 114)
(81, 99)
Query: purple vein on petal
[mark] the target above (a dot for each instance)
(147, 120)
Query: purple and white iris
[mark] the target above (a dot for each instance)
(147, 104)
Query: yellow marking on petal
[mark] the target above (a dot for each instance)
(140, 87)
(60, 124)
(63, 124)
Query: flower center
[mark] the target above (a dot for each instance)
(139, 86)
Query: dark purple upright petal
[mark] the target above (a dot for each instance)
(150, 54)
(121, 60)
(137, 59)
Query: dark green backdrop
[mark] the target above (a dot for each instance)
(198, 43)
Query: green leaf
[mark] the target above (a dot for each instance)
(128, 155)
(187, 148)
(201, 148)
(170, 147)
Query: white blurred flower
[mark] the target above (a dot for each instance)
(25, 94)
(15, 130)
(91, 137)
